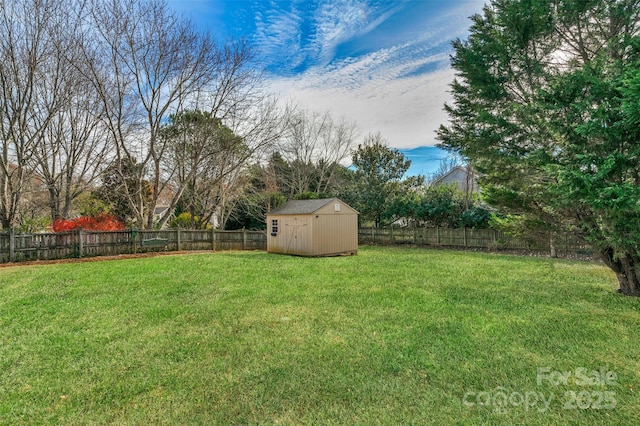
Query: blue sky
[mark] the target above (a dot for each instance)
(381, 63)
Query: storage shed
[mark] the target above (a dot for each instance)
(325, 227)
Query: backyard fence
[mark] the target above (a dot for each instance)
(553, 243)
(15, 247)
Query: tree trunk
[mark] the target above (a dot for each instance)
(54, 204)
(627, 269)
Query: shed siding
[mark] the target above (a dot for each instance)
(297, 234)
(330, 229)
(335, 234)
(329, 209)
(294, 235)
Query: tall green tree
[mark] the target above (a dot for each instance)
(262, 194)
(546, 106)
(440, 205)
(208, 162)
(118, 180)
(378, 180)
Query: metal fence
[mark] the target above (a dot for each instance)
(553, 243)
(15, 247)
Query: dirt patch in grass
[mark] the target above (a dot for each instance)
(101, 258)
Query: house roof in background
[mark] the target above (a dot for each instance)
(303, 206)
(454, 170)
(160, 210)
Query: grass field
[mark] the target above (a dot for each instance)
(391, 336)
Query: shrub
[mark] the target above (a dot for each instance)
(101, 222)
(186, 221)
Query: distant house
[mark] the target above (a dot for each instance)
(325, 227)
(464, 177)
(160, 211)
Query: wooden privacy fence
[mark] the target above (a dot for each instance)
(556, 244)
(15, 247)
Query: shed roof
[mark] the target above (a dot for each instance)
(303, 206)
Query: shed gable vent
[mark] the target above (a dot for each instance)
(336, 207)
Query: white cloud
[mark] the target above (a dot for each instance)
(405, 111)
(381, 63)
(300, 34)
(338, 21)
(278, 31)
(399, 90)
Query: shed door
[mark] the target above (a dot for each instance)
(297, 235)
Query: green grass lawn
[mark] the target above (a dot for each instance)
(391, 336)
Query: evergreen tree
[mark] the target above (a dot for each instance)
(546, 107)
(378, 180)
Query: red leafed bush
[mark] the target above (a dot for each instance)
(102, 222)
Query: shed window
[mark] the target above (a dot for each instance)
(274, 227)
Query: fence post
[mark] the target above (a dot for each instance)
(244, 239)
(464, 234)
(178, 242)
(134, 234)
(391, 234)
(437, 235)
(80, 243)
(213, 238)
(12, 245)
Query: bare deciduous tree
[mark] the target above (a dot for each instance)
(313, 146)
(71, 152)
(30, 86)
(206, 157)
(210, 160)
(146, 62)
(92, 82)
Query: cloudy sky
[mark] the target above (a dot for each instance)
(381, 63)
